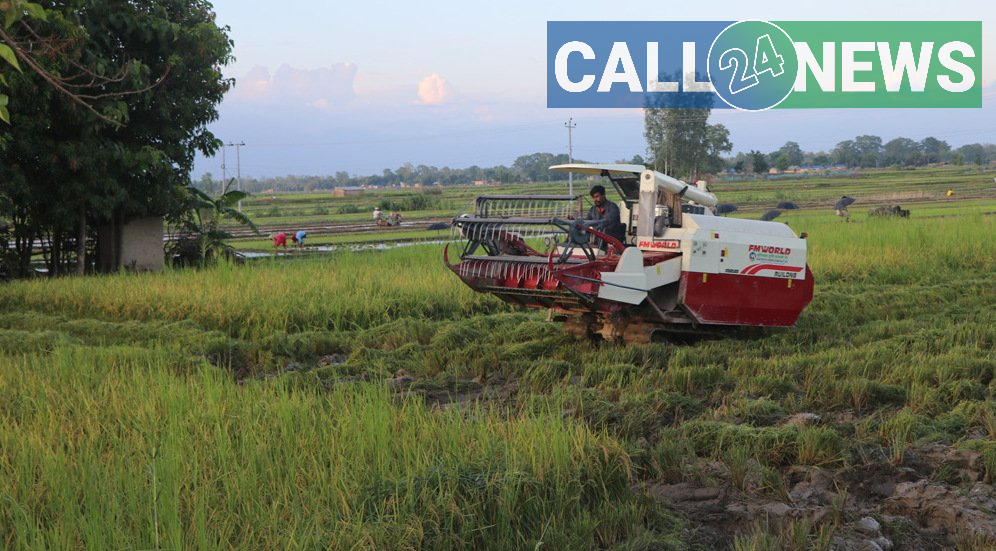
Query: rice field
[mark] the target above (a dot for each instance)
(367, 400)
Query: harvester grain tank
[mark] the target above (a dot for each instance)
(679, 269)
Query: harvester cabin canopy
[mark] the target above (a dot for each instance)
(625, 178)
(648, 195)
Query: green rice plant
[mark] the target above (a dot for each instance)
(762, 411)
(900, 430)
(694, 380)
(145, 455)
(820, 446)
(772, 446)
(542, 375)
(348, 291)
(773, 485)
(758, 540)
(673, 461)
(739, 467)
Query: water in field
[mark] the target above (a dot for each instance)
(252, 255)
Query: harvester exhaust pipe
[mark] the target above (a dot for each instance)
(651, 180)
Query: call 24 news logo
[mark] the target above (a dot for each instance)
(758, 65)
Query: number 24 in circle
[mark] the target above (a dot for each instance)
(766, 60)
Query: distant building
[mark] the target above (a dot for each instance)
(347, 191)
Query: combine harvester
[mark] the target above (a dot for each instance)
(681, 269)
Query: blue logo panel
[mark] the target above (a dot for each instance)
(631, 63)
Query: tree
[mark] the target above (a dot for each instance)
(197, 234)
(821, 159)
(869, 150)
(682, 143)
(679, 137)
(13, 12)
(67, 168)
(207, 183)
(758, 162)
(973, 153)
(33, 36)
(536, 166)
(792, 152)
(934, 150)
(847, 153)
(902, 152)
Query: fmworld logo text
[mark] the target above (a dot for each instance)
(755, 65)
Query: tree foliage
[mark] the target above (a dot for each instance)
(790, 154)
(12, 12)
(902, 152)
(758, 162)
(680, 139)
(536, 166)
(196, 229)
(67, 168)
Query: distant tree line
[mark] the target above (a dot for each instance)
(861, 152)
(866, 151)
(534, 167)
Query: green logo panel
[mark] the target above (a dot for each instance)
(849, 64)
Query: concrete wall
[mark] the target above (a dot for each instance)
(142, 244)
(138, 245)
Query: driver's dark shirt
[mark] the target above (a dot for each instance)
(608, 211)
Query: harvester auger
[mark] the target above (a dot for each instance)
(679, 270)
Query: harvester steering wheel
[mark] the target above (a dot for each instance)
(578, 232)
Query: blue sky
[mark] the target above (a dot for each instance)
(324, 87)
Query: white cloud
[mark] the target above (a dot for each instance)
(322, 88)
(433, 90)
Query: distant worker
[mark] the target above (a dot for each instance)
(280, 240)
(299, 238)
(950, 192)
(841, 207)
(608, 211)
(377, 215)
(395, 218)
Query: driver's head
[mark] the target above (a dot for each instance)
(597, 194)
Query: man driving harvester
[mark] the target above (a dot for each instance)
(608, 211)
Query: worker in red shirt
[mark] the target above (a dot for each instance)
(280, 240)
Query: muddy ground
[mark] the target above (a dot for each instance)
(933, 497)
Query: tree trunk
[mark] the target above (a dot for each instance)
(81, 243)
(24, 240)
(54, 260)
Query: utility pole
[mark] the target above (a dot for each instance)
(223, 181)
(570, 154)
(238, 167)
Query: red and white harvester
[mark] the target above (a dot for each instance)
(680, 270)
